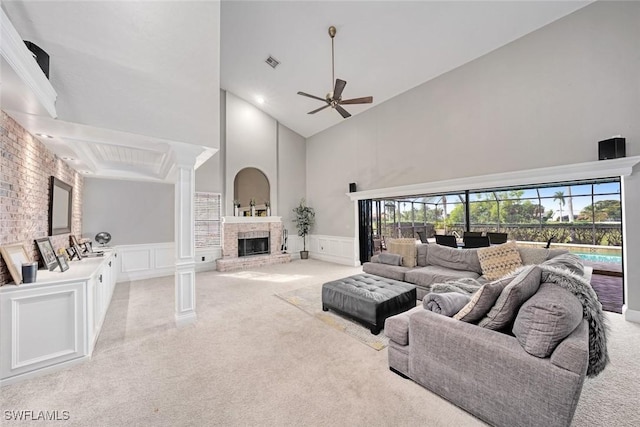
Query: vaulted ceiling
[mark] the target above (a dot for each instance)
(135, 78)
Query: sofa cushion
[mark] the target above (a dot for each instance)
(421, 258)
(394, 272)
(456, 259)
(426, 276)
(521, 288)
(406, 248)
(568, 261)
(547, 318)
(531, 256)
(387, 258)
(482, 301)
(499, 260)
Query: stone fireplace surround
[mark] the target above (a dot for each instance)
(232, 225)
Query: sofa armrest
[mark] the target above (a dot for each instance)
(572, 353)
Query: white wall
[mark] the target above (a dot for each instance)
(251, 141)
(133, 212)
(543, 100)
(291, 174)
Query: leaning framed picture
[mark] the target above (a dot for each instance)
(76, 245)
(14, 256)
(71, 251)
(62, 262)
(47, 253)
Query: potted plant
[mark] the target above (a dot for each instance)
(304, 218)
(252, 205)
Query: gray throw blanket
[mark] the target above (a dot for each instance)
(447, 304)
(578, 286)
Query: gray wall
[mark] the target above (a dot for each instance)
(251, 141)
(543, 100)
(291, 174)
(133, 212)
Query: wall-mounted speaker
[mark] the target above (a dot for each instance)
(352, 187)
(41, 57)
(611, 148)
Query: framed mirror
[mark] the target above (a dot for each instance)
(60, 205)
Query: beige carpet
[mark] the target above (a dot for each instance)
(309, 300)
(252, 360)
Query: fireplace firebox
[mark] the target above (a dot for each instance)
(253, 243)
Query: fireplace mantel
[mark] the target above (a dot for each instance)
(250, 219)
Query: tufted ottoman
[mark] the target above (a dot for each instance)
(368, 299)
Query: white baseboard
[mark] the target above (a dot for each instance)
(630, 315)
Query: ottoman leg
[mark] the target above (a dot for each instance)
(324, 308)
(375, 330)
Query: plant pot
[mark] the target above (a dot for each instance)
(304, 254)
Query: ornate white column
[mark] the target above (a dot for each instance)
(185, 243)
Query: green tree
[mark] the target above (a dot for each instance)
(601, 211)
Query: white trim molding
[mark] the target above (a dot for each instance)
(630, 315)
(573, 172)
(19, 58)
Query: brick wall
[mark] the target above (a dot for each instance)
(26, 166)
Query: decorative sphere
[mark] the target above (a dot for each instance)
(103, 237)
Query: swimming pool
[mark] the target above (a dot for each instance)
(614, 259)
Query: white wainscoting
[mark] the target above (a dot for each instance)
(336, 249)
(151, 260)
(146, 261)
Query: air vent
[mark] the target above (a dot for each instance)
(273, 62)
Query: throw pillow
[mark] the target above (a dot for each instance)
(546, 319)
(521, 288)
(531, 256)
(482, 301)
(499, 260)
(406, 248)
(390, 259)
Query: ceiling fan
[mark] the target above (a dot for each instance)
(334, 99)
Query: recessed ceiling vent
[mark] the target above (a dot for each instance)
(273, 62)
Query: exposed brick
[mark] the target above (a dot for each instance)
(26, 167)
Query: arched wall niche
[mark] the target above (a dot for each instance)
(251, 183)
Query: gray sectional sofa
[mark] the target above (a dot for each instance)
(518, 353)
(438, 264)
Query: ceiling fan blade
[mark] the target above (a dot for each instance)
(363, 100)
(312, 96)
(337, 90)
(318, 109)
(344, 113)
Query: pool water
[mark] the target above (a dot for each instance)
(614, 259)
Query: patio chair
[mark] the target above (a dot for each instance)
(446, 240)
(475, 241)
(549, 242)
(472, 234)
(497, 238)
(422, 236)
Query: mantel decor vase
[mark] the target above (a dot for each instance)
(253, 211)
(235, 211)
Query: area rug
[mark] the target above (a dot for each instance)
(309, 300)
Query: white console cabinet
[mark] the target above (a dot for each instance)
(54, 322)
